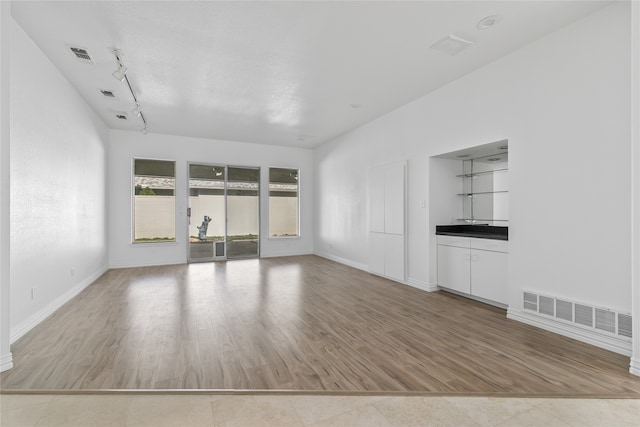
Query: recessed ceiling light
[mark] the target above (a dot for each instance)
(451, 45)
(488, 22)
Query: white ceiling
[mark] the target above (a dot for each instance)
(284, 73)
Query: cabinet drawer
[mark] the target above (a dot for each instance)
(489, 245)
(459, 242)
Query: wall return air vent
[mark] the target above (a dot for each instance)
(583, 315)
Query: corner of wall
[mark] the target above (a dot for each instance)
(6, 359)
(635, 186)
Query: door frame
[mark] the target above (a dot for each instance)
(226, 205)
(226, 210)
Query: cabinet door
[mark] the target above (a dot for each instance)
(376, 253)
(454, 268)
(489, 275)
(376, 199)
(394, 199)
(394, 257)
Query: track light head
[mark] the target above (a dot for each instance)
(137, 110)
(120, 73)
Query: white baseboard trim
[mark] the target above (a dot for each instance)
(288, 253)
(144, 264)
(344, 261)
(6, 362)
(32, 321)
(588, 336)
(634, 366)
(429, 287)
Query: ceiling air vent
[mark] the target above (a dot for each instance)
(81, 54)
(452, 44)
(108, 93)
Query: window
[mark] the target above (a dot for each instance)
(283, 202)
(154, 201)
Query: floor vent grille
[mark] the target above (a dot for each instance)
(598, 318)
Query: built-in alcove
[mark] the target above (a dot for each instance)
(471, 186)
(468, 189)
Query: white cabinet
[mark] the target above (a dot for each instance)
(387, 241)
(394, 265)
(454, 268)
(489, 275)
(474, 266)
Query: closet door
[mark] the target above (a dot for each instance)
(376, 253)
(387, 242)
(376, 199)
(394, 265)
(394, 199)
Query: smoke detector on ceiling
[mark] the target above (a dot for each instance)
(81, 54)
(452, 44)
(488, 22)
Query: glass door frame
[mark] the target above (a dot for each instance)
(226, 211)
(189, 213)
(226, 193)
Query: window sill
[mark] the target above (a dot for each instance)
(167, 243)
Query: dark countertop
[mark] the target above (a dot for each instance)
(475, 230)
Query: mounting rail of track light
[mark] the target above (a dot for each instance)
(121, 74)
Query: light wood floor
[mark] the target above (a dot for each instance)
(298, 323)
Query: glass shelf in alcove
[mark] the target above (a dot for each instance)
(483, 192)
(470, 175)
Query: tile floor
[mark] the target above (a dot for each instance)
(311, 411)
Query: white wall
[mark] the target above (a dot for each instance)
(635, 186)
(563, 104)
(58, 187)
(124, 146)
(6, 360)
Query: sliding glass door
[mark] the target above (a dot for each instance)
(243, 212)
(207, 212)
(224, 212)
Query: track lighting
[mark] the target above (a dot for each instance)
(137, 110)
(121, 74)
